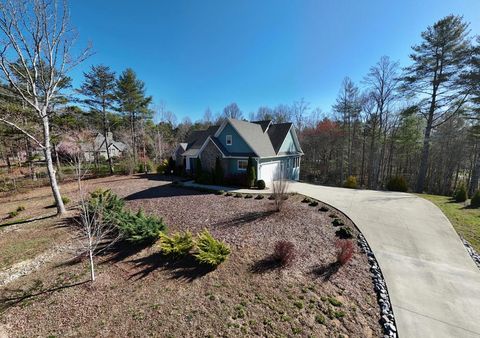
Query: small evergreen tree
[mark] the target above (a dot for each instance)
(251, 175)
(475, 202)
(218, 176)
(461, 194)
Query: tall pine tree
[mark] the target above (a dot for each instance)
(99, 91)
(435, 78)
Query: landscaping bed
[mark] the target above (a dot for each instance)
(140, 292)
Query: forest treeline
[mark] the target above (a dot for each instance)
(419, 122)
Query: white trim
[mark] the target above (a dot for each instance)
(238, 165)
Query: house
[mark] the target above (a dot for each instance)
(98, 148)
(274, 148)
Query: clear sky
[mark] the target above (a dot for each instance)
(208, 53)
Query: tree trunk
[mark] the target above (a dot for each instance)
(51, 171)
(105, 135)
(92, 268)
(475, 176)
(57, 162)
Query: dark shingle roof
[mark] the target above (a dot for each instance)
(264, 124)
(277, 134)
(197, 138)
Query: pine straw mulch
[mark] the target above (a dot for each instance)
(140, 293)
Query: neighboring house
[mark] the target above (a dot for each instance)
(99, 150)
(274, 148)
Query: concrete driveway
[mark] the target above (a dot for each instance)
(433, 283)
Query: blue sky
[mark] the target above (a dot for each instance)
(198, 54)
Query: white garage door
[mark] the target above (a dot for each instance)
(268, 171)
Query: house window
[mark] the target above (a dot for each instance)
(229, 140)
(242, 165)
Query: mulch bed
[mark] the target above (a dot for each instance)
(139, 292)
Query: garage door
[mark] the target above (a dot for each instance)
(268, 171)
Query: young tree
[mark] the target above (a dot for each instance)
(99, 90)
(132, 101)
(473, 81)
(435, 77)
(34, 59)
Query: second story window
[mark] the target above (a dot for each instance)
(229, 140)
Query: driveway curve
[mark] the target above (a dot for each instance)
(433, 283)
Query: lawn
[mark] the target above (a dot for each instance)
(465, 220)
(140, 292)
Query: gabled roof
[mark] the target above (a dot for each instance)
(263, 137)
(264, 124)
(277, 134)
(254, 136)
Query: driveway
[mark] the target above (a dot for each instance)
(433, 283)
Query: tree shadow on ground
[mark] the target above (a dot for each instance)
(180, 268)
(246, 218)
(326, 271)
(24, 221)
(265, 265)
(17, 296)
(162, 192)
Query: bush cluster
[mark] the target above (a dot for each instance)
(177, 245)
(145, 167)
(345, 252)
(261, 184)
(284, 253)
(475, 202)
(351, 182)
(344, 233)
(135, 227)
(210, 251)
(337, 222)
(461, 194)
(397, 183)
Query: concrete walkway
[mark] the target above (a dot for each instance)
(433, 283)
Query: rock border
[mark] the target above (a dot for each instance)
(388, 319)
(471, 251)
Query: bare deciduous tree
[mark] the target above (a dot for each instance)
(36, 40)
(279, 190)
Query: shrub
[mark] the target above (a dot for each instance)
(332, 216)
(228, 194)
(12, 214)
(259, 197)
(20, 208)
(219, 192)
(306, 200)
(475, 202)
(211, 251)
(280, 193)
(397, 183)
(344, 233)
(248, 196)
(323, 209)
(320, 319)
(461, 194)
(145, 167)
(261, 184)
(237, 195)
(337, 222)
(176, 245)
(251, 175)
(284, 253)
(271, 197)
(351, 182)
(108, 207)
(65, 200)
(125, 167)
(313, 203)
(345, 251)
(218, 174)
(163, 167)
(139, 227)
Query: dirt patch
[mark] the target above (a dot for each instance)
(139, 292)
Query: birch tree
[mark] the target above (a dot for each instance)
(35, 57)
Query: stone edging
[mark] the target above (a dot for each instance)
(471, 251)
(387, 320)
